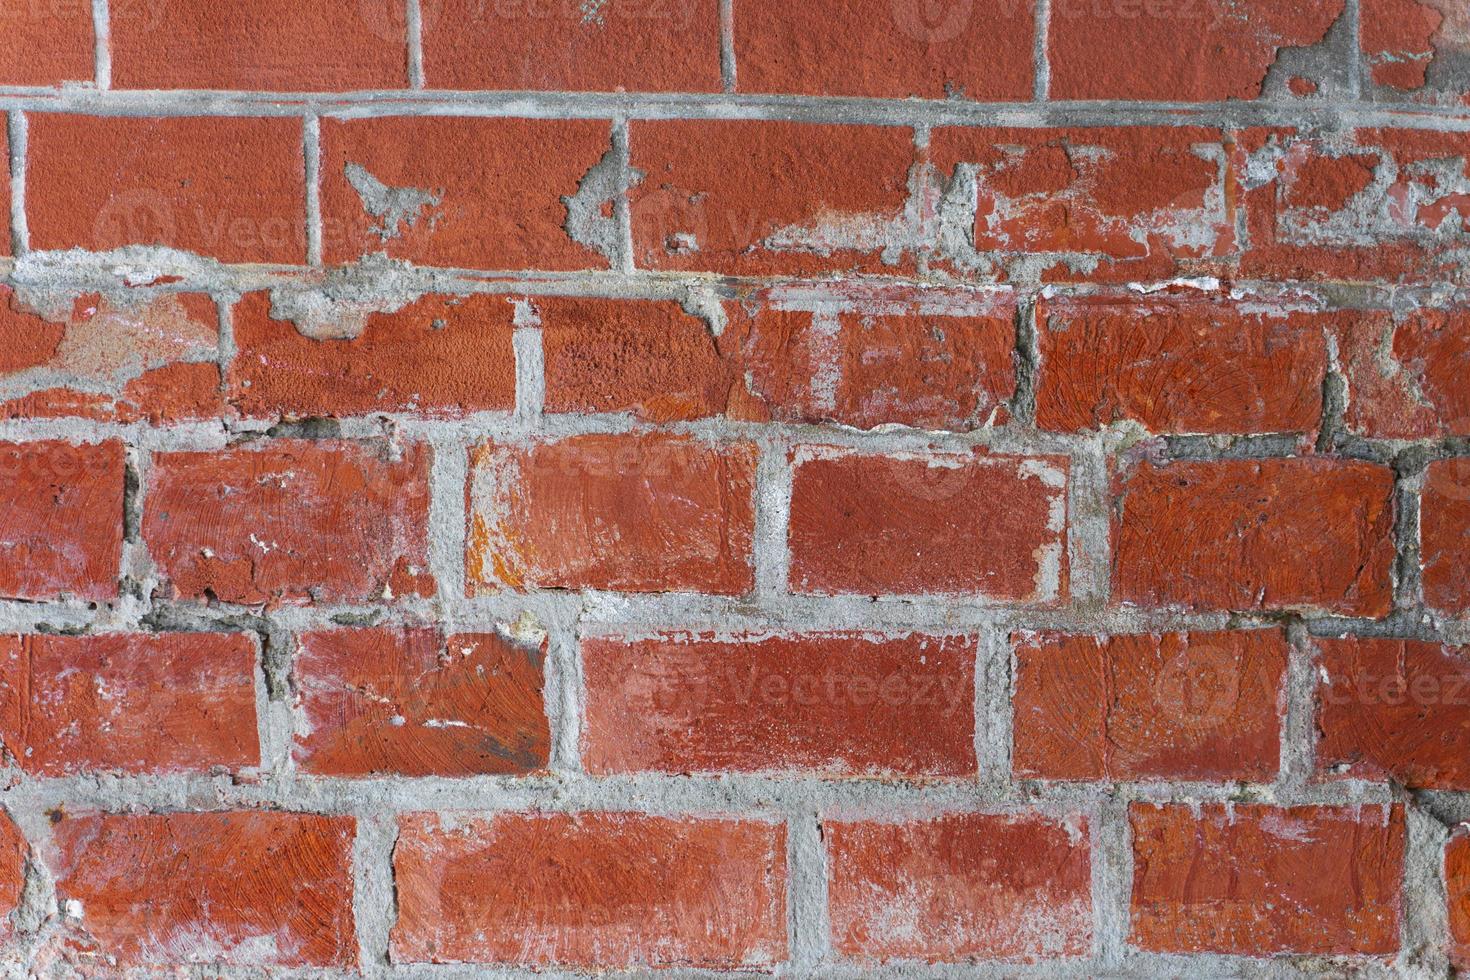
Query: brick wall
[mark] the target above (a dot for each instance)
(735, 485)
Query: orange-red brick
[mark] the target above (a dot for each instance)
(593, 890)
(652, 513)
(13, 853)
(61, 528)
(1255, 534)
(1260, 880)
(292, 521)
(250, 889)
(441, 356)
(1406, 379)
(168, 702)
(48, 42)
(839, 704)
(489, 191)
(909, 524)
(960, 887)
(1444, 535)
(228, 188)
(1199, 706)
(411, 702)
(1457, 887)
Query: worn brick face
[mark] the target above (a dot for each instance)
(47, 44)
(292, 522)
(1255, 534)
(13, 852)
(626, 513)
(1406, 378)
(144, 704)
(595, 890)
(1444, 533)
(227, 188)
(1395, 709)
(959, 887)
(908, 524)
(1457, 888)
(828, 703)
(249, 889)
(60, 519)
(411, 702)
(1200, 706)
(1260, 880)
(441, 356)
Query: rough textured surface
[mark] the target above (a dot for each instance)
(1263, 880)
(1178, 365)
(47, 43)
(836, 704)
(292, 522)
(886, 48)
(281, 45)
(1397, 709)
(601, 890)
(1175, 706)
(1407, 378)
(174, 702)
(13, 854)
(415, 703)
(1457, 888)
(991, 526)
(243, 889)
(635, 514)
(1267, 534)
(441, 356)
(640, 45)
(478, 194)
(962, 886)
(1444, 530)
(230, 189)
(60, 526)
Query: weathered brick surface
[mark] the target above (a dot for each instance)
(1444, 534)
(1457, 888)
(1260, 880)
(415, 703)
(599, 890)
(960, 886)
(250, 889)
(1203, 706)
(292, 522)
(13, 852)
(170, 702)
(1267, 534)
(831, 703)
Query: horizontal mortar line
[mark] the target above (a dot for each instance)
(656, 105)
(93, 269)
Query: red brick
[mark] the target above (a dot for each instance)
(13, 854)
(595, 890)
(234, 889)
(1395, 709)
(227, 188)
(170, 702)
(1444, 535)
(761, 197)
(1149, 201)
(649, 358)
(1457, 883)
(1176, 50)
(960, 886)
(47, 43)
(293, 522)
(1374, 205)
(1313, 534)
(1406, 380)
(838, 704)
(649, 513)
(439, 356)
(1179, 364)
(910, 524)
(113, 359)
(935, 363)
(61, 517)
(559, 45)
(411, 702)
(471, 192)
(886, 48)
(1200, 706)
(1259, 880)
(1396, 37)
(263, 45)
(5, 201)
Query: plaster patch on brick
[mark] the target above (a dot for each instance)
(392, 206)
